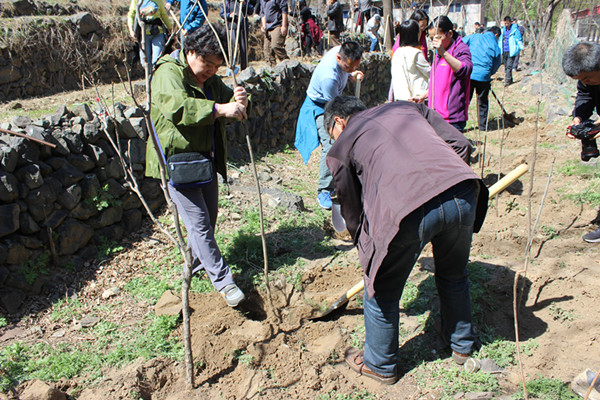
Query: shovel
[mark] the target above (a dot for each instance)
(340, 304)
(509, 117)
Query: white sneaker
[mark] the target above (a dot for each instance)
(233, 295)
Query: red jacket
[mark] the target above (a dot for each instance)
(311, 27)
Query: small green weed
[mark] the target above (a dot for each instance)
(104, 199)
(3, 322)
(560, 314)
(451, 379)
(504, 352)
(549, 231)
(33, 268)
(355, 395)
(357, 337)
(108, 247)
(547, 389)
(243, 357)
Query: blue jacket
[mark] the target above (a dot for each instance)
(515, 40)
(485, 54)
(196, 18)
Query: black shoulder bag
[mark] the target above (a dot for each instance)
(189, 170)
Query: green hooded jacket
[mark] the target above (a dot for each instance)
(183, 116)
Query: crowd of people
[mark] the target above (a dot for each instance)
(400, 171)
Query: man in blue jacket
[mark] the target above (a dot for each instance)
(511, 44)
(196, 15)
(486, 61)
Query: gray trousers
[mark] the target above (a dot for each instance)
(325, 177)
(198, 208)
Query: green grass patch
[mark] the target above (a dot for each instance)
(115, 346)
(449, 379)
(504, 352)
(547, 389)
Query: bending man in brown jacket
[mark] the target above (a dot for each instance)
(401, 183)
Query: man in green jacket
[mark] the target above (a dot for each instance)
(190, 106)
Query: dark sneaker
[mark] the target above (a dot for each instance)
(233, 295)
(592, 237)
(354, 358)
(324, 199)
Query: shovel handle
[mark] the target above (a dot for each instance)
(508, 180)
(357, 89)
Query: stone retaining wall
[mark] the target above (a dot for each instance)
(67, 202)
(42, 56)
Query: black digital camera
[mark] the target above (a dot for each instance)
(585, 131)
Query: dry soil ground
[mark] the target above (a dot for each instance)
(300, 359)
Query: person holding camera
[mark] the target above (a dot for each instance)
(582, 62)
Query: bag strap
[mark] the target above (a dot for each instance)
(208, 95)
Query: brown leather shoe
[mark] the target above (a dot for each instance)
(354, 358)
(459, 358)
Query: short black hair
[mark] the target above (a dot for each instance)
(508, 18)
(204, 42)
(581, 57)
(495, 30)
(341, 106)
(444, 24)
(419, 15)
(409, 33)
(477, 23)
(351, 50)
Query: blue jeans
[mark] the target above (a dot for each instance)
(154, 47)
(325, 177)
(374, 43)
(447, 222)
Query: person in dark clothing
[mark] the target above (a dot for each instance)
(311, 33)
(274, 23)
(234, 11)
(479, 28)
(582, 62)
(335, 23)
(418, 189)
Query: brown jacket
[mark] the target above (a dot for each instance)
(389, 161)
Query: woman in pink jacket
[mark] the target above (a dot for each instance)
(450, 72)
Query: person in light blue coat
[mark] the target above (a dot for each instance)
(511, 44)
(486, 58)
(196, 17)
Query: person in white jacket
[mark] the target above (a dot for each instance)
(373, 31)
(410, 69)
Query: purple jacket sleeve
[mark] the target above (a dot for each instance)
(463, 54)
